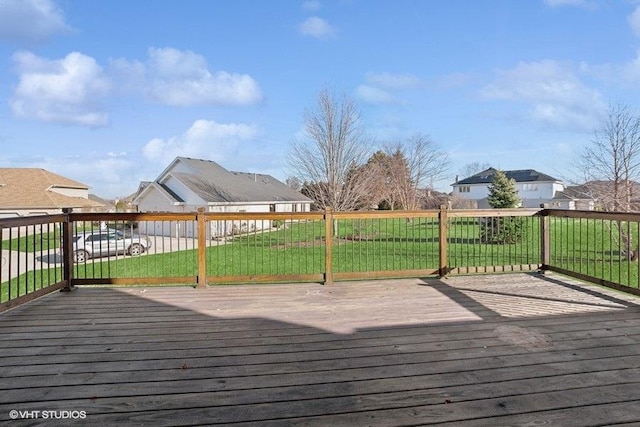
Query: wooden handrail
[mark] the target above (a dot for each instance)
(329, 238)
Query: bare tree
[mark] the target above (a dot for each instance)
(611, 164)
(415, 165)
(473, 168)
(329, 157)
(294, 183)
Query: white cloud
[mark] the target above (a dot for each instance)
(554, 92)
(394, 81)
(182, 78)
(68, 90)
(451, 81)
(29, 21)
(559, 3)
(311, 5)
(107, 174)
(205, 138)
(375, 95)
(634, 21)
(629, 72)
(382, 88)
(616, 75)
(317, 28)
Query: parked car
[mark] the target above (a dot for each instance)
(104, 243)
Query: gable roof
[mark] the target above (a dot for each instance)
(215, 184)
(597, 190)
(575, 192)
(22, 188)
(522, 175)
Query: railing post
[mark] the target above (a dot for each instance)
(202, 249)
(443, 220)
(67, 251)
(545, 242)
(328, 242)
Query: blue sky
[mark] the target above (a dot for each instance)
(108, 92)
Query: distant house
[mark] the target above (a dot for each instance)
(534, 188)
(188, 184)
(32, 191)
(600, 195)
(574, 197)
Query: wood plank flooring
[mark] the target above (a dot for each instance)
(517, 349)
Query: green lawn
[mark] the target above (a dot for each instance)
(596, 248)
(465, 248)
(34, 242)
(29, 282)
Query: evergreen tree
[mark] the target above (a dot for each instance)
(502, 192)
(502, 230)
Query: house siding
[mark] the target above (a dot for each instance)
(82, 193)
(225, 228)
(156, 202)
(476, 191)
(532, 190)
(189, 184)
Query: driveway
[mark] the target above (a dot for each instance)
(15, 263)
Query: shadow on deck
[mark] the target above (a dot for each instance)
(513, 349)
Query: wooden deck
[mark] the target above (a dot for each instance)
(466, 351)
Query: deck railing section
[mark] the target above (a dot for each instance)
(384, 244)
(493, 241)
(31, 260)
(41, 254)
(265, 247)
(134, 248)
(600, 247)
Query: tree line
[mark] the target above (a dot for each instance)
(334, 162)
(334, 165)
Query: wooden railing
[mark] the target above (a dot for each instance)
(29, 247)
(599, 247)
(42, 254)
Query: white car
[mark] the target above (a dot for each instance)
(104, 243)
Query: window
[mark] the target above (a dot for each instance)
(464, 189)
(96, 238)
(530, 187)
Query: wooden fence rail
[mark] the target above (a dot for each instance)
(45, 253)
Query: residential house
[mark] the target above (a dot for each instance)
(534, 188)
(574, 197)
(188, 184)
(601, 195)
(32, 191)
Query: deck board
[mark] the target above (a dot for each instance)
(516, 349)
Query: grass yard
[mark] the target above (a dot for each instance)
(34, 242)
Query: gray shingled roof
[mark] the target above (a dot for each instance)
(169, 193)
(215, 184)
(524, 175)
